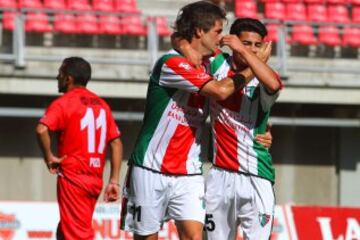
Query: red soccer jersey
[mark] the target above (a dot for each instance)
(85, 126)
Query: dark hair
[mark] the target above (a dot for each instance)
(198, 15)
(78, 68)
(248, 25)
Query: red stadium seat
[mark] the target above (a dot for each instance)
(103, 5)
(29, 4)
(37, 22)
(315, 1)
(354, 2)
(356, 14)
(303, 34)
(8, 3)
(110, 25)
(55, 4)
(275, 10)
(296, 12)
(246, 9)
(292, 1)
(79, 5)
(351, 37)
(329, 35)
(132, 25)
(126, 6)
(8, 20)
(316, 13)
(162, 26)
(338, 13)
(65, 23)
(337, 1)
(87, 24)
(273, 34)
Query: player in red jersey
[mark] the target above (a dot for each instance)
(85, 127)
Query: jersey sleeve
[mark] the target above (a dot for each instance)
(113, 130)
(54, 117)
(178, 73)
(268, 99)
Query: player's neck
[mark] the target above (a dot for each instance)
(196, 45)
(72, 87)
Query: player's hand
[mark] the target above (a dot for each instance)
(233, 42)
(266, 138)
(53, 163)
(264, 52)
(112, 192)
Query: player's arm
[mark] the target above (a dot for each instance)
(44, 140)
(261, 70)
(221, 90)
(112, 190)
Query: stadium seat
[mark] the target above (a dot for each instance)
(246, 9)
(275, 10)
(132, 25)
(354, 2)
(29, 4)
(87, 24)
(316, 13)
(292, 1)
(37, 22)
(110, 25)
(337, 1)
(126, 6)
(55, 4)
(338, 13)
(8, 20)
(273, 34)
(103, 5)
(303, 34)
(162, 26)
(329, 35)
(351, 37)
(8, 3)
(356, 14)
(295, 12)
(65, 23)
(79, 5)
(314, 1)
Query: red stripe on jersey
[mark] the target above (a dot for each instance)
(233, 102)
(196, 76)
(178, 149)
(196, 100)
(226, 147)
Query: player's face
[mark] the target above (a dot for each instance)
(62, 83)
(211, 39)
(252, 41)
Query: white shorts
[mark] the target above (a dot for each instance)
(150, 198)
(234, 199)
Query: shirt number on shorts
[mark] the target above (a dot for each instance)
(92, 124)
(136, 212)
(209, 223)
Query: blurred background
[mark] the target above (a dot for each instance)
(316, 120)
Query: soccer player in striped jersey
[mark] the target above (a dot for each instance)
(85, 128)
(165, 170)
(239, 185)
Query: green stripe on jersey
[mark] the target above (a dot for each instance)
(265, 168)
(157, 99)
(217, 62)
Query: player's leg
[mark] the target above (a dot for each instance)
(220, 222)
(76, 210)
(148, 237)
(187, 206)
(256, 210)
(144, 203)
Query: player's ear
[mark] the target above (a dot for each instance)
(70, 80)
(199, 32)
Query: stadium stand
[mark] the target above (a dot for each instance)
(55, 4)
(8, 3)
(246, 8)
(65, 23)
(275, 10)
(295, 11)
(79, 5)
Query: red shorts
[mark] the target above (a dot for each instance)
(76, 210)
